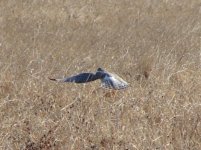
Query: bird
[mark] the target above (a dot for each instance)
(108, 80)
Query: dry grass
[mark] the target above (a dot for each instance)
(154, 45)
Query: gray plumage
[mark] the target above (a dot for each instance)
(108, 80)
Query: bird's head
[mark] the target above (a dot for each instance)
(100, 73)
(100, 69)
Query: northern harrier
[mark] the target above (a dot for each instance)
(108, 80)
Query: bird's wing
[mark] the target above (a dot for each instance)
(113, 82)
(80, 78)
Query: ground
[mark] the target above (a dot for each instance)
(154, 45)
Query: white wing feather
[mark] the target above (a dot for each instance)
(114, 82)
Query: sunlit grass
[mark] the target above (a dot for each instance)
(155, 46)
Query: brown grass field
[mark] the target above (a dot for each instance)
(153, 45)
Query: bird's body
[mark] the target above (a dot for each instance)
(108, 80)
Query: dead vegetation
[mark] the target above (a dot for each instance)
(154, 45)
